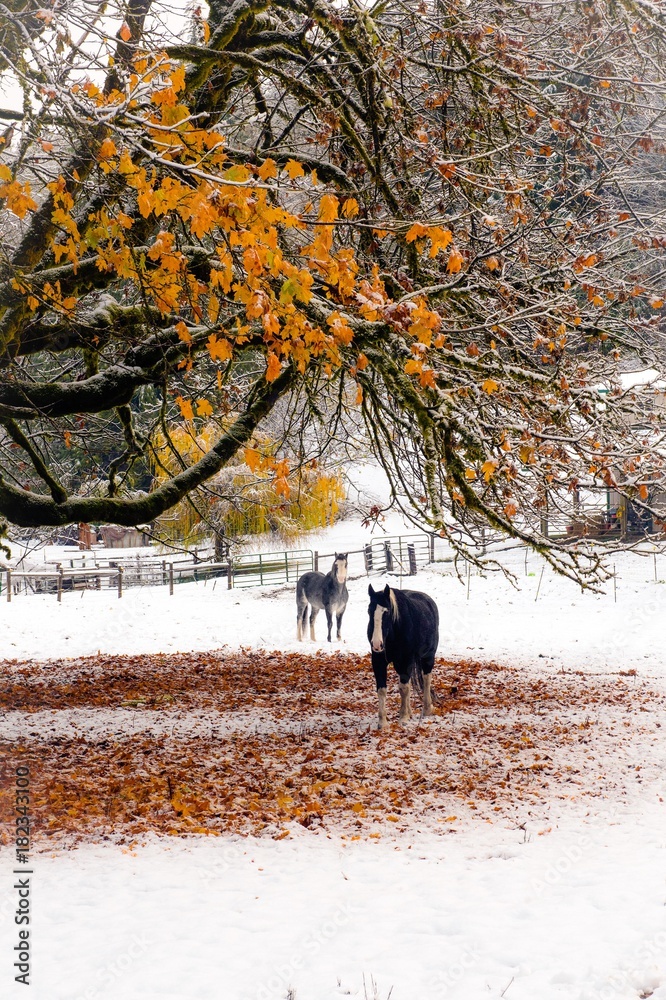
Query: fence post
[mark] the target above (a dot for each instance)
(286, 565)
(389, 557)
(170, 579)
(411, 552)
(367, 558)
(120, 581)
(59, 583)
(432, 546)
(230, 576)
(261, 571)
(9, 585)
(164, 572)
(316, 560)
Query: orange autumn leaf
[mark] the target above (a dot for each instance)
(489, 468)
(328, 208)
(293, 169)
(455, 261)
(416, 232)
(273, 367)
(204, 408)
(267, 169)
(183, 333)
(185, 407)
(125, 32)
(219, 349)
(490, 386)
(350, 208)
(252, 459)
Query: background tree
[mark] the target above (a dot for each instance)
(439, 215)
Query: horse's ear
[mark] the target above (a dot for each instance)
(370, 590)
(387, 591)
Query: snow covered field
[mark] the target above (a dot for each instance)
(569, 904)
(564, 628)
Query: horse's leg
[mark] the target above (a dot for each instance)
(379, 670)
(427, 708)
(301, 615)
(313, 615)
(338, 619)
(405, 706)
(329, 621)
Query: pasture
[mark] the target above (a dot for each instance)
(206, 788)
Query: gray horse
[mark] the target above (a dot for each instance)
(319, 590)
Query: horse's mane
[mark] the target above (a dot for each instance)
(393, 602)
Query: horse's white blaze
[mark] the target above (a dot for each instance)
(377, 641)
(341, 570)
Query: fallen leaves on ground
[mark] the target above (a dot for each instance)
(254, 742)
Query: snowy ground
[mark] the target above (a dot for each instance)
(563, 628)
(569, 905)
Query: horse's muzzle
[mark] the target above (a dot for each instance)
(377, 647)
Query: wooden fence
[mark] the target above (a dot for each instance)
(402, 555)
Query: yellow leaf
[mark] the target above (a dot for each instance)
(455, 261)
(416, 232)
(107, 149)
(470, 474)
(183, 333)
(185, 406)
(204, 408)
(489, 468)
(439, 239)
(267, 169)
(293, 169)
(273, 367)
(328, 208)
(252, 459)
(350, 208)
(490, 386)
(412, 366)
(219, 349)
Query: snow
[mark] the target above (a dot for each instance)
(568, 903)
(559, 628)
(576, 913)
